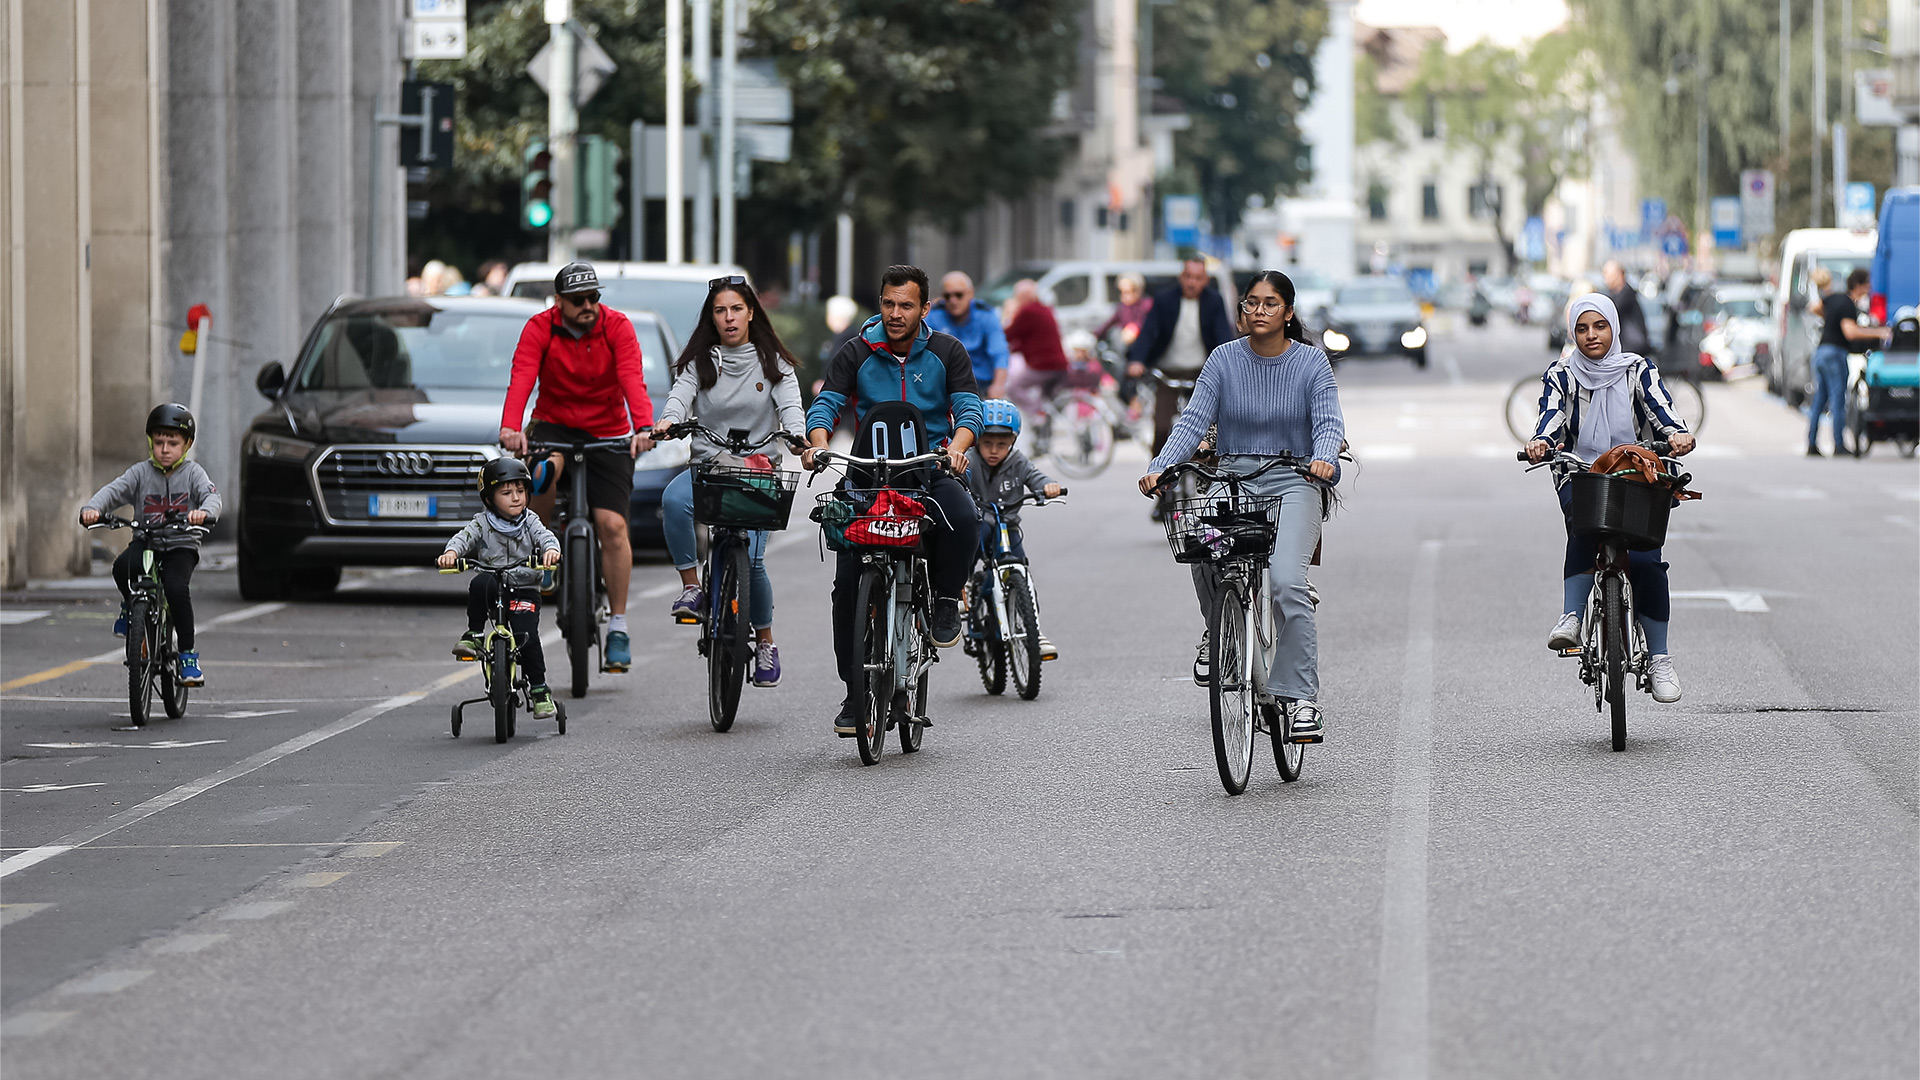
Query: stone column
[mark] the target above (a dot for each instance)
(200, 47)
(324, 159)
(122, 215)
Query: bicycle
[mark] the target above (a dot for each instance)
(1186, 484)
(507, 688)
(1077, 429)
(1622, 515)
(581, 593)
(733, 502)
(894, 599)
(152, 655)
(1003, 627)
(1523, 405)
(1233, 533)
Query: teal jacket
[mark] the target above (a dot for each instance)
(936, 376)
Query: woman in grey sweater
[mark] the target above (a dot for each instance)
(1271, 393)
(733, 375)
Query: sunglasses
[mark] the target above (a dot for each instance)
(585, 299)
(953, 296)
(730, 279)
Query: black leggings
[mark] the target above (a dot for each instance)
(176, 574)
(952, 539)
(524, 613)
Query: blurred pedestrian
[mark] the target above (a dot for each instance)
(431, 276)
(453, 283)
(977, 327)
(1842, 334)
(1185, 324)
(1626, 300)
(1035, 334)
(1130, 312)
(493, 279)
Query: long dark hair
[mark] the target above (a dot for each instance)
(775, 360)
(1283, 285)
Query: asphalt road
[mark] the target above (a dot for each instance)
(310, 878)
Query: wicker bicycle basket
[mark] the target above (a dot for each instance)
(740, 498)
(1209, 529)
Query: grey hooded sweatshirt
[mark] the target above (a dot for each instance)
(1002, 486)
(153, 494)
(492, 541)
(739, 398)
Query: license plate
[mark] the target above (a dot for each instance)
(403, 506)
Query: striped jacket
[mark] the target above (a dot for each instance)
(1561, 399)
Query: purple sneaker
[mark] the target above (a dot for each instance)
(688, 609)
(766, 664)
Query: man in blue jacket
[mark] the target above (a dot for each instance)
(978, 329)
(1186, 323)
(896, 357)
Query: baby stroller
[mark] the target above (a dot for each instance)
(1883, 404)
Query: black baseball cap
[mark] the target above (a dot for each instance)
(576, 277)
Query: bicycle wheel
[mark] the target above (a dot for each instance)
(1523, 408)
(1689, 405)
(908, 722)
(576, 617)
(1230, 630)
(1288, 757)
(1613, 631)
(500, 687)
(1023, 637)
(173, 692)
(872, 649)
(1082, 438)
(727, 651)
(988, 651)
(141, 652)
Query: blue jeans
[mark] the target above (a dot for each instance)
(676, 505)
(1296, 658)
(1829, 393)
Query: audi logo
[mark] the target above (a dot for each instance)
(404, 464)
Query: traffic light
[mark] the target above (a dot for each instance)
(536, 187)
(598, 202)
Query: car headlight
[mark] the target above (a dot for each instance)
(278, 447)
(1335, 341)
(664, 455)
(1414, 338)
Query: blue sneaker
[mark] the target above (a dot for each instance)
(120, 624)
(619, 657)
(190, 670)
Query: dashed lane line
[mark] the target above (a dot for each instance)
(318, 880)
(37, 1022)
(106, 982)
(188, 943)
(120, 652)
(255, 910)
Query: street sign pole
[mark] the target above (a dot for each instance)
(676, 123)
(637, 190)
(725, 159)
(562, 123)
(702, 41)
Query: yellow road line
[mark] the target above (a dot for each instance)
(67, 668)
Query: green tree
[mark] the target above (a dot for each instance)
(1243, 71)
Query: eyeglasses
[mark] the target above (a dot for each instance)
(730, 279)
(585, 299)
(1251, 305)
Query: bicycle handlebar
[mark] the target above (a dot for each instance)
(1173, 472)
(171, 523)
(549, 446)
(1561, 456)
(1028, 498)
(461, 566)
(822, 458)
(688, 427)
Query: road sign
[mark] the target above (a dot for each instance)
(592, 67)
(1756, 202)
(760, 96)
(765, 142)
(1857, 207)
(1182, 215)
(1873, 98)
(1533, 240)
(653, 161)
(437, 39)
(1673, 245)
(1653, 214)
(435, 101)
(437, 9)
(1724, 212)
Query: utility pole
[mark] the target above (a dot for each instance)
(1702, 63)
(562, 123)
(676, 134)
(1819, 124)
(703, 114)
(726, 157)
(843, 254)
(1785, 104)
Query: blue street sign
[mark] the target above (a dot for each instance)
(1653, 213)
(1533, 240)
(1182, 216)
(1673, 244)
(1724, 212)
(1857, 211)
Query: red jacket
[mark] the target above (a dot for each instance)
(1034, 334)
(594, 383)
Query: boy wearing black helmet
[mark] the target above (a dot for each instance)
(164, 484)
(505, 534)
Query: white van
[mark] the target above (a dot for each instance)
(1083, 293)
(675, 292)
(1789, 368)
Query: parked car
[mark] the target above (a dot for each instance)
(1795, 330)
(1740, 321)
(675, 292)
(1083, 293)
(371, 451)
(1375, 315)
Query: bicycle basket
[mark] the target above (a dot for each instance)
(740, 498)
(886, 518)
(1207, 529)
(1632, 512)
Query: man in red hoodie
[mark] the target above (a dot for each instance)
(586, 361)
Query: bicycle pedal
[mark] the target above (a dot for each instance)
(1575, 651)
(1303, 740)
(923, 721)
(686, 620)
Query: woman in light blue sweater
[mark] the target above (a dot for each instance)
(1266, 394)
(733, 375)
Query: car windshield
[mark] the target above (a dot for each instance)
(676, 301)
(427, 348)
(1374, 292)
(1744, 309)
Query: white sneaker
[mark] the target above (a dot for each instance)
(1202, 662)
(1566, 633)
(1666, 681)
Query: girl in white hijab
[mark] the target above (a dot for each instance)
(1596, 398)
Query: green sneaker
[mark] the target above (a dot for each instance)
(468, 647)
(541, 699)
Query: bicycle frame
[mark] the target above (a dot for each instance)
(159, 658)
(501, 627)
(578, 526)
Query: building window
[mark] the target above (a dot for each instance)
(1377, 201)
(1483, 200)
(1430, 201)
(1066, 214)
(1430, 118)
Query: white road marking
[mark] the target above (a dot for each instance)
(1905, 523)
(16, 616)
(38, 1022)
(1452, 367)
(658, 591)
(372, 849)
(246, 714)
(34, 856)
(1907, 492)
(188, 943)
(1738, 600)
(316, 881)
(163, 744)
(13, 913)
(258, 909)
(107, 982)
(1400, 1025)
(42, 788)
(244, 614)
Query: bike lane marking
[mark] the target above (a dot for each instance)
(1401, 1014)
(120, 652)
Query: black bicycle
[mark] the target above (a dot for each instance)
(507, 688)
(580, 590)
(885, 523)
(1233, 533)
(733, 502)
(1003, 620)
(153, 658)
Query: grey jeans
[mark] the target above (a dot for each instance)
(1296, 659)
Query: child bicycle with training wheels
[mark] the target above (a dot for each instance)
(997, 475)
(165, 484)
(505, 534)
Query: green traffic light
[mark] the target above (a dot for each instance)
(539, 214)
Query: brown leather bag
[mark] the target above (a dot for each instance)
(1632, 457)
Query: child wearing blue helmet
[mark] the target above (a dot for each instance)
(997, 474)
